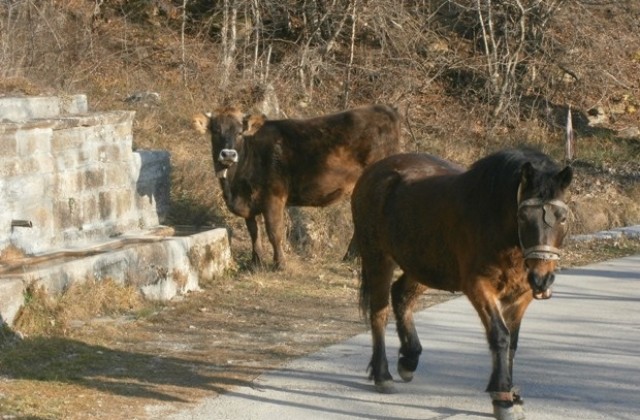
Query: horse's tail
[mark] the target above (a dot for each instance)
(365, 294)
(367, 235)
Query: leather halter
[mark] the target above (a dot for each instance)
(541, 252)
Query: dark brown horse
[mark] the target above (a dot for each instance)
(492, 232)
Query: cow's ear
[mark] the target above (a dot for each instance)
(251, 123)
(200, 122)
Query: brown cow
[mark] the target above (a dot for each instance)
(265, 165)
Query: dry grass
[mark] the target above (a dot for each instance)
(44, 314)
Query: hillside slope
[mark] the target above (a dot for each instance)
(432, 59)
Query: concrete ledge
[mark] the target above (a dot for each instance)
(28, 108)
(629, 232)
(162, 266)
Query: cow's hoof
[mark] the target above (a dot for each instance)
(385, 387)
(503, 410)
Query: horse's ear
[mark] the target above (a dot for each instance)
(526, 173)
(200, 122)
(251, 123)
(564, 177)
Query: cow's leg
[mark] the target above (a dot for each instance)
(274, 223)
(256, 246)
(377, 273)
(352, 250)
(404, 294)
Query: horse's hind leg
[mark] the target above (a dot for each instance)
(404, 294)
(377, 274)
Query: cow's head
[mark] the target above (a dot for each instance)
(227, 127)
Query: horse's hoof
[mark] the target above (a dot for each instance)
(518, 405)
(518, 410)
(406, 367)
(405, 374)
(385, 387)
(503, 410)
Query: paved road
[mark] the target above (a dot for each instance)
(579, 358)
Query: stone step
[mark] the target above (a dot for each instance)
(161, 262)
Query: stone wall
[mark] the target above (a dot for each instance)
(72, 176)
(77, 204)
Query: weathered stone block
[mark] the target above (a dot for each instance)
(8, 146)
(116, 175)
(69, 139)
(93, 176)
(9, 167)
(32, 141)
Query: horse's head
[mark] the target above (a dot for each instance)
(542, 223)
(227, 127)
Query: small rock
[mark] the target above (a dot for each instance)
(629, 133)
(143, 97)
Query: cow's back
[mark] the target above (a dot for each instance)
(321, 158)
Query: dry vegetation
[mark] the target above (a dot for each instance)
(466, 81)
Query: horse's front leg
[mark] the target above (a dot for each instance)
(485, 300)
(507, 404)
(404, 294)
(513, 314)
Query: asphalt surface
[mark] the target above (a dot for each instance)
(578, 358)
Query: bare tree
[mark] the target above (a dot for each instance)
(229, 37)
(512, 33)
(347, 82)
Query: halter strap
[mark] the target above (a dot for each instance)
(541, 252)
(533, 202)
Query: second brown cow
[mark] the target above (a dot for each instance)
(265, 165)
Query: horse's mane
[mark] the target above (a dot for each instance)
(498, 174)
(489, 188)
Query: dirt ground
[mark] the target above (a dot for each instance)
(157, 359)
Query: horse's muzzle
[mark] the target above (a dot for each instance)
(541, 284)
